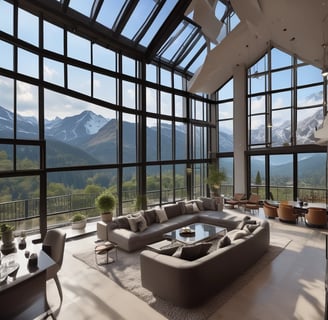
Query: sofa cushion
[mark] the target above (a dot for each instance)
(160, 215)
(193, 252)
(209, 204)
(240, 234)
(168, 250)
(150, 216)
(122, 222)
(182, 205)
(137, 223)
(224, 242)
(172, 210)
(189, 208)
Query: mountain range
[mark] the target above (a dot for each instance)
(88, 138)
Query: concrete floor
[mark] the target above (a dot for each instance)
(291, 287)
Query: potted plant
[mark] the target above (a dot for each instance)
(214, 179)
(7, 236)
(106, 203)
(79, 221)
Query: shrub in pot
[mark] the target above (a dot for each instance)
(106, 203)
(79, 221)
(7, 237)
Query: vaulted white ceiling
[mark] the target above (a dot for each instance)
(295, 26)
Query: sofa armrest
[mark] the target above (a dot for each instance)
(102, 232)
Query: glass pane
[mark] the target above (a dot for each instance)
(258, 178)
(28, 63)
(7, 108)
(151, 73)
(28, 157)
(257, 129)
(281, 177)
(28, 27)
(311, 183)
(7, 162)
(109, 11)
(281, 99)
(257, 84)
(180, 110)
(166, 78)
(7, 54)
(52, 32)
(129, 190)
(307, 120)
(309, 96)
(280, 59)
(158, 22)
(6, 21)
(281, 79)
(178, 81)
(153, 185)
(166, 140)
(103, 57)
(129, 66)
(129, 133)
(83, 7)
(257, 104)
(104, 88)
(308, 75)
(180, 182)
(20, 205)
(27, 111)
(78, 48)
(225, 136)
(166, 103)
(80, 134)
(281, 127)
(79, 80)
(227, 187)
(226, 110)
(138, 17)
(129, 94)
(53, 71)
(151, 100)
(167, 184)
(180, 141)
(226, 92)
(152, 142)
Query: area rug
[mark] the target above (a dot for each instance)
(126, 273)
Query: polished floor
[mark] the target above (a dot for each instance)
(291, 287)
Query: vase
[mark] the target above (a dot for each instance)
(106, 217)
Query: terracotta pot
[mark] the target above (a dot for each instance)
(107, 217)
(7, 237)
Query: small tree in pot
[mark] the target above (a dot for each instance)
(214, 179)
(7, 237)
(79, 221)
(106, 202)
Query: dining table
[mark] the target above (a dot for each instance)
(23, 277)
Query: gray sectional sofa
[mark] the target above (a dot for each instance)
(179, 215)
(189, 283)
(170, 276)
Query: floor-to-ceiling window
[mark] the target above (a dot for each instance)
(78, 117)
(285, 106)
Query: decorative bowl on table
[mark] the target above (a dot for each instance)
(187, 232)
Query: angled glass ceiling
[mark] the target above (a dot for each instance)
(150, 30)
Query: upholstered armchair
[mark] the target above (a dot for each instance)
(286, 213)
(252, 204)
(270, 211)
(316, 217)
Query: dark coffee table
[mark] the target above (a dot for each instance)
(201, 232)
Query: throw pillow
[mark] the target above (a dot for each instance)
(195, 251)
(137, 223)
(200, 205)
(189, 208)
(123, 222)
(182, 206)
(224, 242)
(240, 234)
(195, 207)
(168, 250)
(150, 216)
(251, 227)
(172, 210)
(209, 204)
(160, 215)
